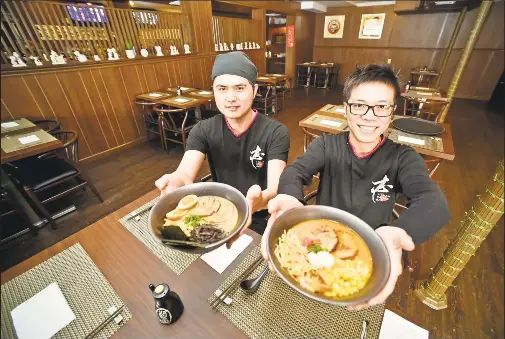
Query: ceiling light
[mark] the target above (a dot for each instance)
(132, 3)
(175, 3)
(89, 4)
(273, 14)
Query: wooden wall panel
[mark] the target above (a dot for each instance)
(18, 97)
(64, 113)
(417, 40)
(98, 100)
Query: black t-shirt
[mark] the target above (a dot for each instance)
(367, 186)
(241, 160)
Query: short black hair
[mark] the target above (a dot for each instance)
(383, 73)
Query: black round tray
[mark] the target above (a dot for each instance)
(418, 126)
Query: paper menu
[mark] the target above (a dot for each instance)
(9, 124)
(183, 88)
(155, 95)
(43, 315)
(205, 92)
(222, 257)
(395, 327)
(331, 123)
(28, 139)
(424, 93)
(411, 140)
(340, 110)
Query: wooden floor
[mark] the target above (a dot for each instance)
(475, 304)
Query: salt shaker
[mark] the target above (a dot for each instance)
(168, 304)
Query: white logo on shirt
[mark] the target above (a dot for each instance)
(257, 157)
(380, 190)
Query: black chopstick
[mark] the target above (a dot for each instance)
(104, 323)
(236, 282)
(147, 208)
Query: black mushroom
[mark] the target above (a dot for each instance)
(207, 234)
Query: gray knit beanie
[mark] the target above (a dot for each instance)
(235, 63)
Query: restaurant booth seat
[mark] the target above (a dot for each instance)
(56, 169)
(175, 124)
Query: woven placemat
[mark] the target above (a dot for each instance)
(88, 294)
(431, 143)
(276, 311)
(136, 223)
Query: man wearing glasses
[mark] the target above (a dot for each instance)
(362, 171)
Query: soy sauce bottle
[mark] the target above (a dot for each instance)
(168, 304)
(179, 90)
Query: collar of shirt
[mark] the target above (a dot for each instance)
(369, 153)
(235, 133)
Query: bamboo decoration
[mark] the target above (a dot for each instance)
(465, 55)
(476, 225)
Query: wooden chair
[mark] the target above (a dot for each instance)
(423, 108)
(264, 100)
(9, 206)
(151, 120)
(175, 123)
(321, 77)
(37, 174)
(48, 125)
(423, 80)
(302, 74)
(283, 92)
(308, 138)
(333, 81)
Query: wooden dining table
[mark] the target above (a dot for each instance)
(130, 267)
(335, 113)
(22, 139)
(325, 65)
(191, 98)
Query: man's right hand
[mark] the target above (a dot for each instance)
(169, 182)
(276, 206)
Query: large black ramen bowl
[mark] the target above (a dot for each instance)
(380, 255)
(169, 201)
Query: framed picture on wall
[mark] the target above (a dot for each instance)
(371, 26)
(334, 26)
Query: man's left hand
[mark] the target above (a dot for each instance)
(396, 240)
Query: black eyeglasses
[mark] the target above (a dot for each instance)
(380, 111)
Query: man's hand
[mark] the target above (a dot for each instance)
(169, 182)
(396, 240)
(278, 205)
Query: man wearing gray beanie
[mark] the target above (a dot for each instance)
(245, 149)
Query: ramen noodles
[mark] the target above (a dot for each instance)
(325, 257)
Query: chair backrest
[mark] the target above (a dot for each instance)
(149, 116)
(263, 92)
(48, 125)
(171, 117)
(424, 108)
(70, 140)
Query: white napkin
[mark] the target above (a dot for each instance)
(184, 88)
(395, 327)
(156, 95)
(424, 93)
(43, 315)
(331, 123)
(340, 110)
(411, 140)
(9, 124)
(221, 257)
(204, 92)
(181, 100)
(28, 139)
